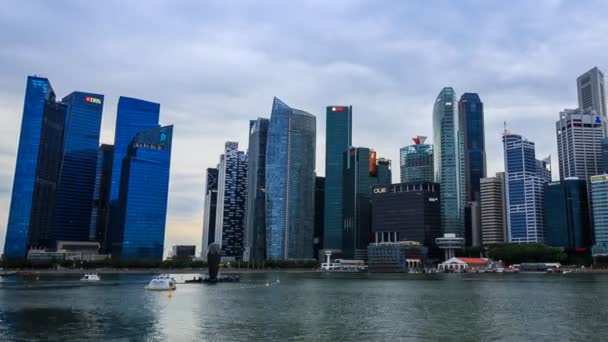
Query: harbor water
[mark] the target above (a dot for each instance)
(310, 307)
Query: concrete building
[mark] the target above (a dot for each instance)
(493, 211)
(591, 91)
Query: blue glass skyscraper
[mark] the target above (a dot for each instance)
(449, 161)
(144, 190)
(471, 124)
(338, 138)
(72, 213)
(524, 181)
(133, 116)
(38, 91)
(255, 232)
(290, 183)
(101, 207)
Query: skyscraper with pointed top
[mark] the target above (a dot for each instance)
(290, 183)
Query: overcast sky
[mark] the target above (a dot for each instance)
(213, 65)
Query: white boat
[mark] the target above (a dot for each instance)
(162, 282)
(90, 277)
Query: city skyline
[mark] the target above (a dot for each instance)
(526, 91)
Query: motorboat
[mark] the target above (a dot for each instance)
(90, 277)
(163, 282)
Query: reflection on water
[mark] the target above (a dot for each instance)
(312, 307)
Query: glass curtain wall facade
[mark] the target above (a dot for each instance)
(50, 155)
(101, 195)
(37, 93)
(144, 191)
(319, 216)
(566, 211)
(524, 178)
(73, 205)
(449, 161)
(599, 203)
(416, 162)
(471, 124)
(290, 182)
(231, 202)
(338, 139)
(210, 211)
(255, 233)
(362, 170)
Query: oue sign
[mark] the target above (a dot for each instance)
(380, 190)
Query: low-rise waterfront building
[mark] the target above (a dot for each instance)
(400, 256)
(464, 264)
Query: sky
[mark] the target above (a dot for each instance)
(214, 65)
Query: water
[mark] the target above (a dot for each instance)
(313, 307)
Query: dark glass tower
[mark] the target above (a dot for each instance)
(72, 213)
(255, 232)
(210, 211)
(101, 196)
(50, 155)
(566, 210)
(144, 190)
(37, 93)
(362, 170)
(290, 183)
(470, 115)
(319, 215)
(338, 138)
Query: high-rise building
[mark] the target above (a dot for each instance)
(599, 202)
(338, 139)
(210, 211)
(416, 161)
(144, 190)
(50, 156)
(406, 212)
(493, 210)
(579, 143)
(449, 162)
(231, 202)
(591, 91)
(133, 116)
(290, 183)
(255, 232)
(362, 170)
(566, 213)
(604, 155)
(471, 124)
(524, 178)
(74, 199)
(38, 93)
(319, 216)
(101, 196)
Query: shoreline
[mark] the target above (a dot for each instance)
(152, 271)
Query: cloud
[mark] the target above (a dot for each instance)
(214, 65)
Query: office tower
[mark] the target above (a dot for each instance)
(255, 231)
(471, 124)
(338, 138)
(524, 178)
(50, 156)
(101, 196)
(566, 211)
(604, 155)
(144, 189)
(38, 93)
(406, 212)
(209, 215)
(231, 202)
(579, 143)
(319, 216)
(416, 161)
(493, 210)
(73, 205)
(591, 92)
(599, 203)
(362, 170)
(449, 162)
(290, 182)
